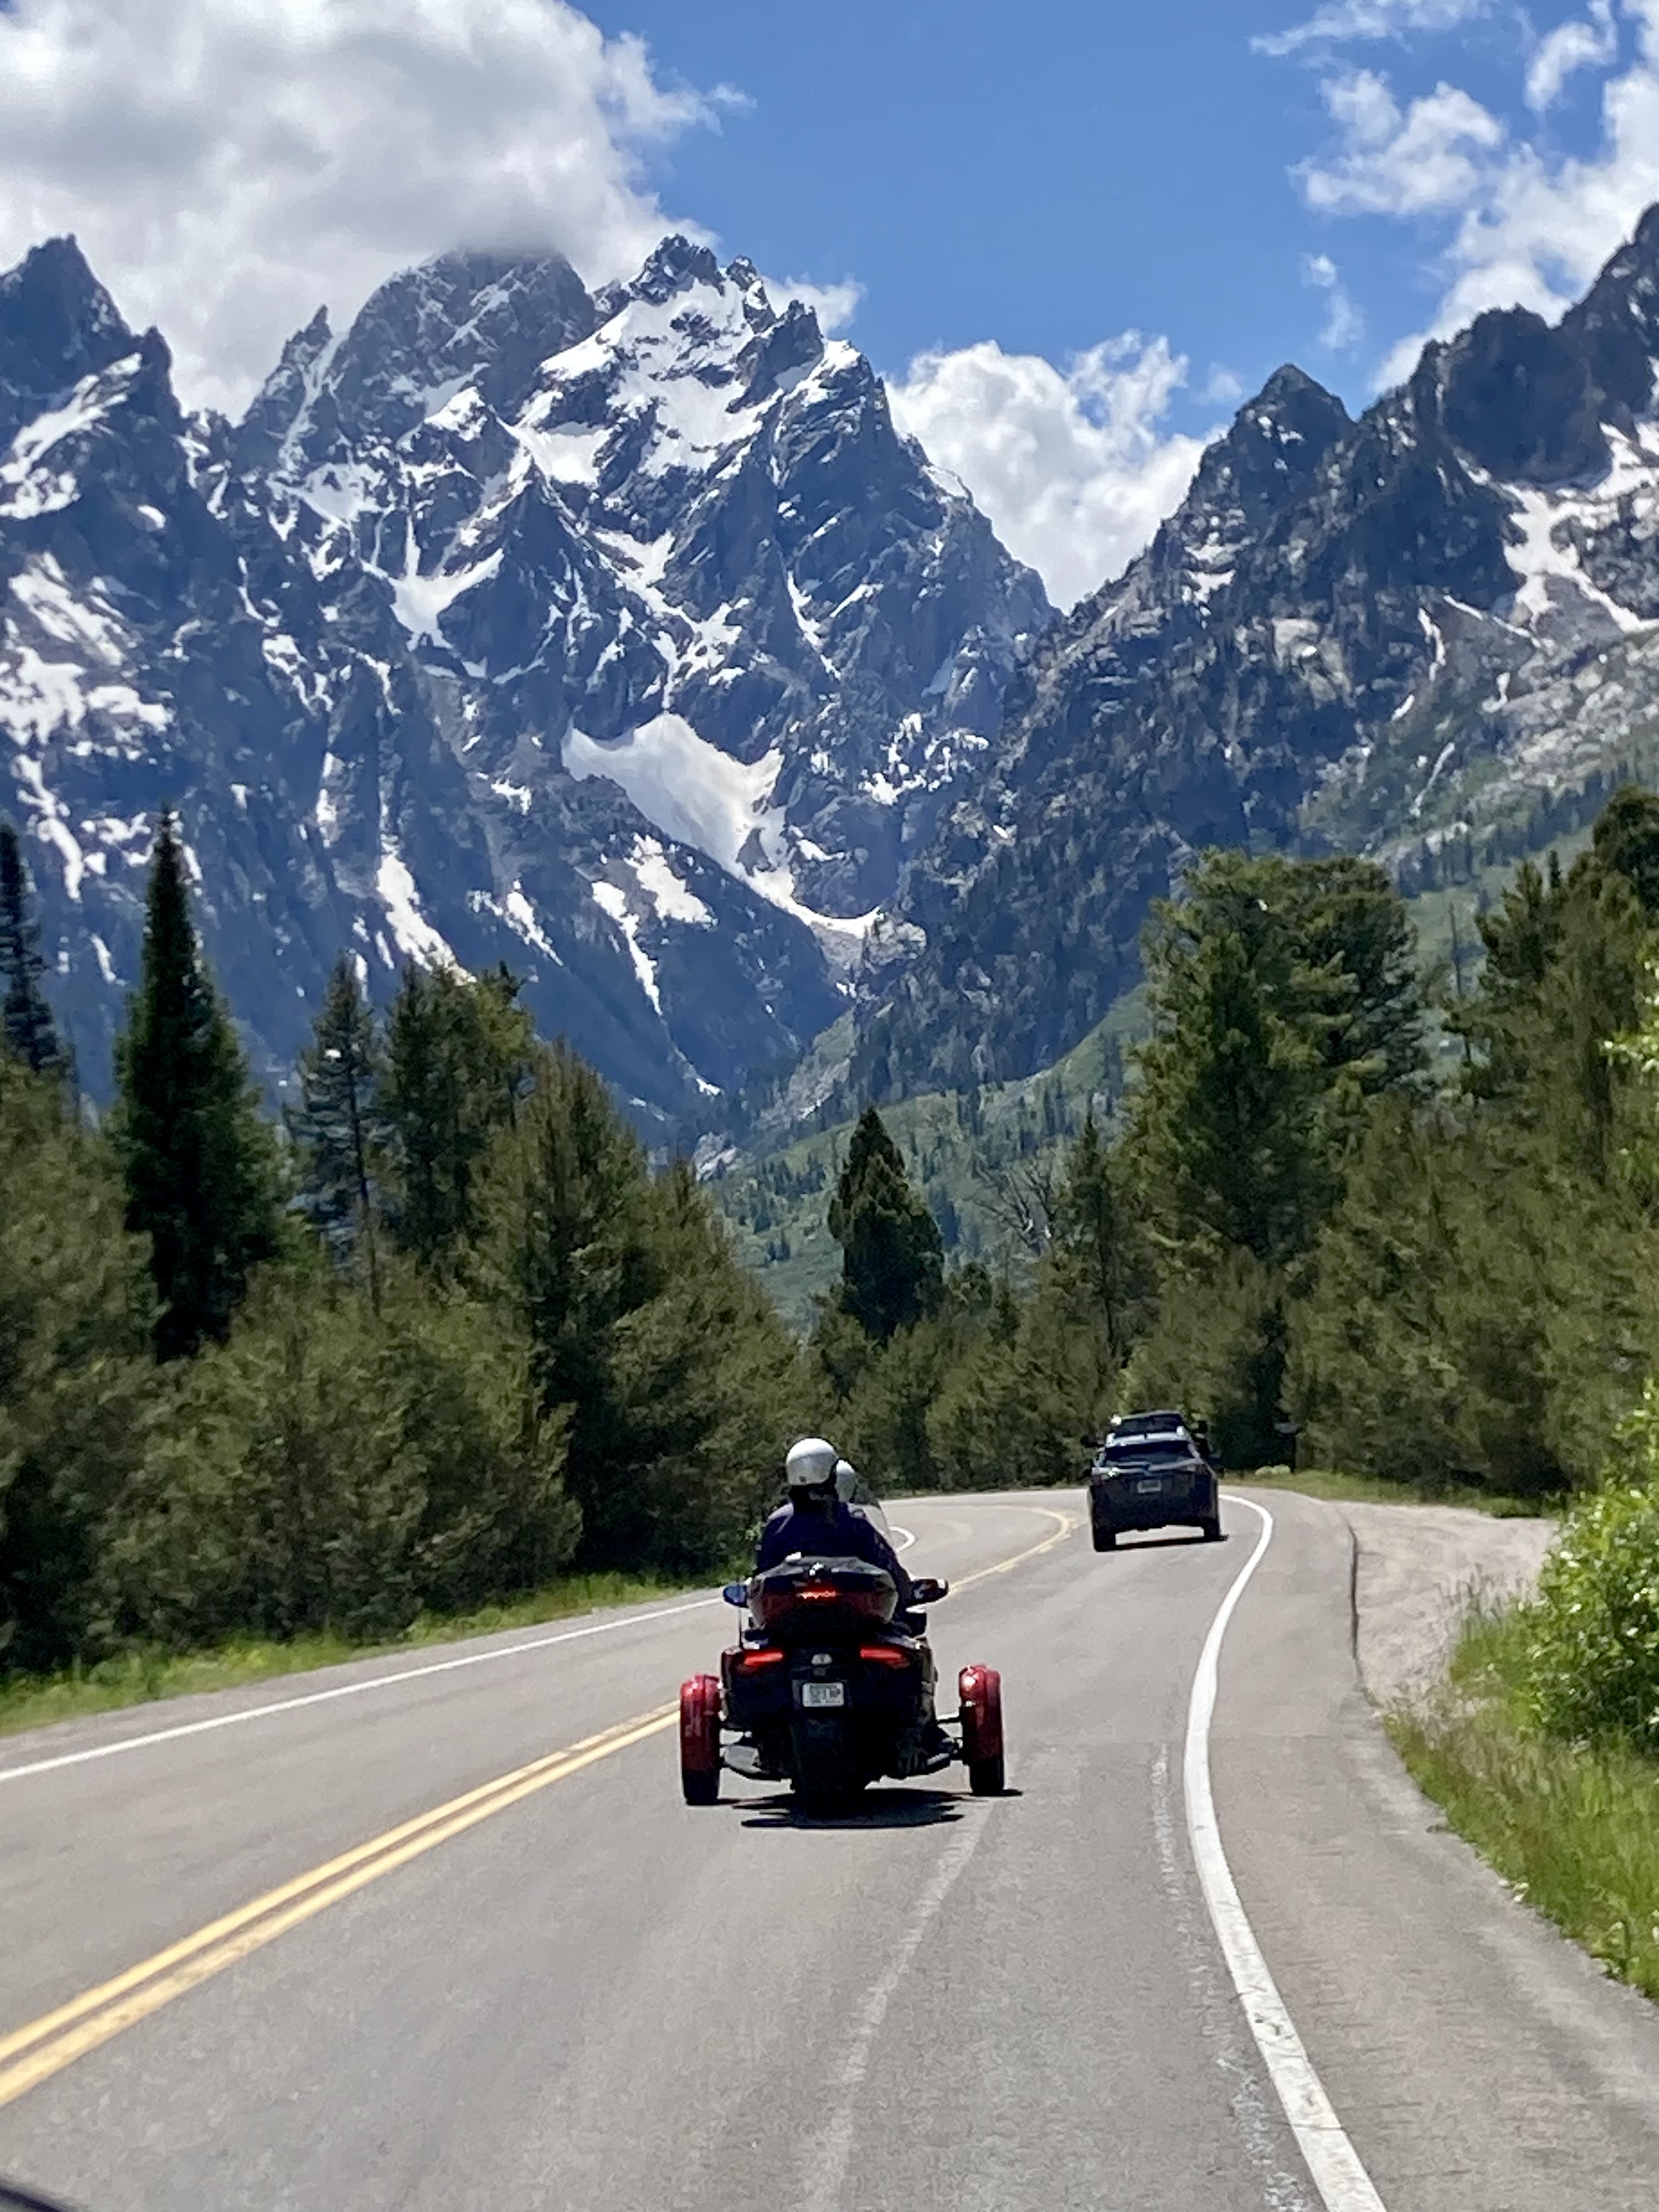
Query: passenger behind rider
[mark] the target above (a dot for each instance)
(820, 1520)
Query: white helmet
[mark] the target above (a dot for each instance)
(847, 1480)
(810, 1464)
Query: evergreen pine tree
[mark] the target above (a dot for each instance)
(25, 1023)
(76, 1380)
(458, 1058)
(642, 1330)
(339, 1127)
(1626, 841)
(197, 1163)
(1227, 1128)
(1102, 1253)
(892, 1261)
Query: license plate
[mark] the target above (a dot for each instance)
(818, 1695)
(1150, 1488)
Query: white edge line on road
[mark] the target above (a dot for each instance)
(903, 1538)
(348, 1690)
(1342, 2182)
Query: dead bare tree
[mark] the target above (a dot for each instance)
(1021, 1196)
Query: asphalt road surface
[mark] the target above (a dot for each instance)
(249, 1962)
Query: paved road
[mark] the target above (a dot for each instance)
(575, 1994)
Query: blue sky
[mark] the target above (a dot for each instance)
(1246, 181)
(1054, 172)
(1076, 230)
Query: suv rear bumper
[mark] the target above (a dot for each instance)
(1191, 1507)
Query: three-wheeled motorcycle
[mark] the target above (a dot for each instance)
(831, 1687)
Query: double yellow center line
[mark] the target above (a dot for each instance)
(32, 2055)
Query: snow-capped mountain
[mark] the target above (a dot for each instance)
(620, 638)
(1437, 625)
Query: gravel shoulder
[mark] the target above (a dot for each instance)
(1418, 1569)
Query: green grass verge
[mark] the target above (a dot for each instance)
(1573, 1828)
(137, 1677)
(1343, 1489)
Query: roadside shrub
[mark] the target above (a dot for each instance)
(333, 1469)
(1594, 1628)
(76, 1370)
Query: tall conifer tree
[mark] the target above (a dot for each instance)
(1102, 1253)
(26, 1024)
(892, 1261)
(459, 1059)
(339, 1126)
(197, 1163)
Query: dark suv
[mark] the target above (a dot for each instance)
(1151, 1473)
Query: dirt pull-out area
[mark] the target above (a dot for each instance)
(1419, 1566)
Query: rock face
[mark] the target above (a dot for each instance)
(1438, 626)
(621, 638)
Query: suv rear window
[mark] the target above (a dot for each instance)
(1144, 1448)
(1147, 1424)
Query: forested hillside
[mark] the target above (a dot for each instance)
(1434, 1268)
(440, 1335)
(443, 1332)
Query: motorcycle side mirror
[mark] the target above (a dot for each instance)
(736, 1593)
(928, 1591)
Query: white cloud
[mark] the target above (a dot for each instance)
(1525, 224)
(1580, 45)
(1072, 466)
(227, 164)
(1346, 20)
(1396, 161)
(834, 304)
(1344, 324)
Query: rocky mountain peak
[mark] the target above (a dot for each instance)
(1438, 622)
(1276, 445)
(676, 264)
(57, 325)
(623, 641)
(1518, 397)
(464, 319)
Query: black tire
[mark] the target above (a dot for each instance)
(700, 1789)
(1105, 1539)
(1212, 1530)
(986, 1777)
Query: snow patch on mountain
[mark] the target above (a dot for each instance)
(611, 899)
(693, 793)
(670, 897)
(412, 933)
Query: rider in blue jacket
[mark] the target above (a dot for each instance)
(819, 1519)
(821, 1522)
